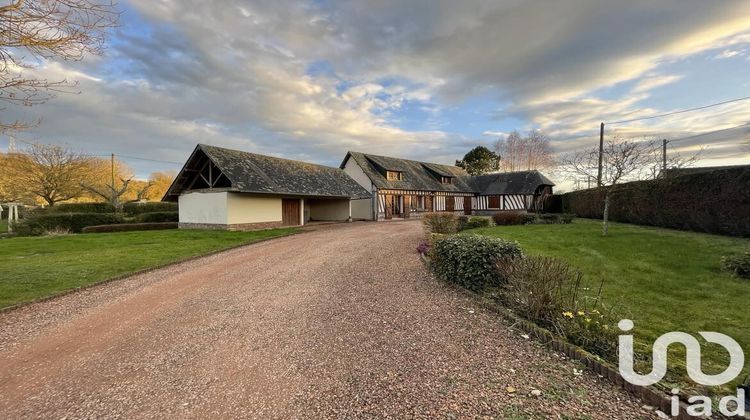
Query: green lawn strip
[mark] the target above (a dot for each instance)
(35, 267)
(665, 280)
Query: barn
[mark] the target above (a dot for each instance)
(220, 188)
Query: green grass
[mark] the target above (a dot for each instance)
(32, 268)
(665, 280)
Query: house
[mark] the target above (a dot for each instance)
(404, 188)
(220, 188)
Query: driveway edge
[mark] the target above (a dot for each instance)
(139, 272)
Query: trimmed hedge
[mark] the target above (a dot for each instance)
(130, 227)
(465, 222)
(712, 202)
(470, 260)
(76, 208)
(149, 207)
(157, 217)
(71, 222)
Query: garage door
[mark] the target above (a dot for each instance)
(290, 212)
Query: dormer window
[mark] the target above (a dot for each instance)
(395, 175)
(446, 179)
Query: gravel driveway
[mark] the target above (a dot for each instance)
(341, 322)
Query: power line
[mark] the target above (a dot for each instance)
(680, 111)
(710, 132)
(146, 159)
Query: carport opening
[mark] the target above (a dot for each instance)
(327, 210)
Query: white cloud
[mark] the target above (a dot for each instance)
(727, 54)
(236, 73)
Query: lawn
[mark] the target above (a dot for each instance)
(35, 267)
(664, 280)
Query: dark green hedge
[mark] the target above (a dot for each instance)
(148, 207)
(469, 260)
(72, 222)
(130, 227)
(157, 216)
(713, 202)
(76, 208)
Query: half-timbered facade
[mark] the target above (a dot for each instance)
(404, 188)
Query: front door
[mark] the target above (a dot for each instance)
(290, 212)
(396, 205)
(467, 206)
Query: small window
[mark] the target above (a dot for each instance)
(395, 175)
(446, 180)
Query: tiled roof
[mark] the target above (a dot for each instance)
(425, 176)
(254, 173)
(524, 182)
(416, 175)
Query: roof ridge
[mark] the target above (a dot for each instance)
(404, 159)
(269, 156)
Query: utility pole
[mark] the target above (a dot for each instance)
(113, 171)
(664, 155)
(601, 155)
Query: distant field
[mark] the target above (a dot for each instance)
(35, 267)
(663, 279)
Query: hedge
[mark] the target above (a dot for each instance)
(71, 222)
(148, 207)
(712, 202)
(157, 217)
(470, 260)
(76, 208)
(130, 227)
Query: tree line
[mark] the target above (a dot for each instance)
(47, 174)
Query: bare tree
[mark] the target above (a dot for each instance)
(675, 160)
(622, 160)
(110, 193)
(63, 29)
(51, 173)
(524, 153)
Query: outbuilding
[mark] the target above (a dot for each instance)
(220, 188)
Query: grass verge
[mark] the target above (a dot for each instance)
(664, 280)
(36, 267)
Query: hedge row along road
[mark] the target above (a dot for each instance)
(344, 321)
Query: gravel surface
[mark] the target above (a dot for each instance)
(341, 322)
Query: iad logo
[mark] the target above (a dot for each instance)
(693, 362)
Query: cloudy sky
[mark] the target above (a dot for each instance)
(420, 79)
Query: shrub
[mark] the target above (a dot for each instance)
(444, 223)
(149, 207)
(470, 260)
(423, 247)
(539, 288)
(73, 222)
(157, 216)
(555, 218)
(505, 218)
(739, 265)
(462, 222)
(546, 290)
(477, 222)
(129, 227)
